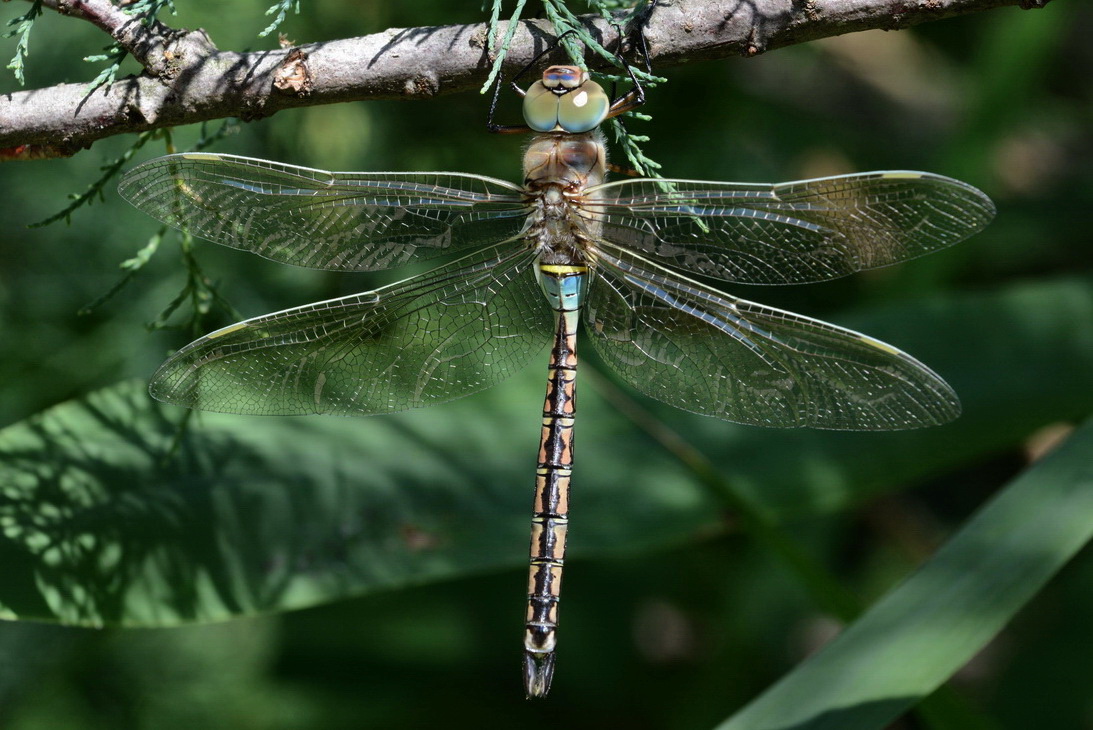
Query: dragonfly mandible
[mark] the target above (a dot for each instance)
(533, 260)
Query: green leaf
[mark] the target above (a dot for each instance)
(102, 525)
(925, 629)
(22, 26)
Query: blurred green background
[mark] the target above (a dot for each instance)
(675, 626)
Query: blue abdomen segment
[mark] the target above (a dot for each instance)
(563, 285)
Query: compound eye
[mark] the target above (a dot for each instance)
(583, 109)
(541, 108)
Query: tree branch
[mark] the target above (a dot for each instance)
(188, 80)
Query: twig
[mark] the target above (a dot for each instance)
(143, 37)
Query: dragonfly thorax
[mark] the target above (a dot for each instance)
(558, 171)
(572, 161)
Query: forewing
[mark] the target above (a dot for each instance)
(342, 221)
(691, 347)
(430, 339)
(793, 232)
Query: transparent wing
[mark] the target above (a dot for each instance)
(439, 336)
(343, 221)
(791, 232)
(691, 347)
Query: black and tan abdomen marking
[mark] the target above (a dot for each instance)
(563, 286)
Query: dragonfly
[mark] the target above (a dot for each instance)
(529, 263)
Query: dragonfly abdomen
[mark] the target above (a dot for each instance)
(564, 286)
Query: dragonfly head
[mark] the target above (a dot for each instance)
(565, 100)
